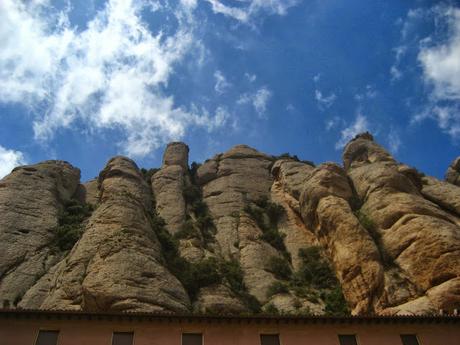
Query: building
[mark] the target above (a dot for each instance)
(38, 327)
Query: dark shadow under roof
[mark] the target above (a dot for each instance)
(207, 318)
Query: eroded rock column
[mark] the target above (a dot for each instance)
(325, 208)
(420, 240)
(168, 185)
(453, 172)
(30, 200)
(118, 264)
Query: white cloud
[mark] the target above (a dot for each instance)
(324, 101)
(221, 82)
(447, 117)
(368, 93)
(248, 9)
(441, 62)
(317, 77)
(191, 4)
(358, 126)
(111, 75)
(332, 123)
(250, 77)
(9, 159)
(395, 70)
(258, 100)
(394, 141)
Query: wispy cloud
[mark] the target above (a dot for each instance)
(368, 93)
(9, 159)
(395, 69)
(394, 141)
(258, 100)
(324, 101)
(332, 123)
(247, 10)
(250, 77)
(221, 82)
(359, 125)
(112, 75)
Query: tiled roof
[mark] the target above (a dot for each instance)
(260, 318)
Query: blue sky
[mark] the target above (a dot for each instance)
(86, 80)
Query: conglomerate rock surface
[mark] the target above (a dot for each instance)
(31, 198)
(244, 232)
(453, 172)
(117, 263)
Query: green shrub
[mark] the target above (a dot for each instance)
(67, 235)
(279, 267)
(314, 269)
(70, 224)
(276, 240)
(335, 303)
(232, 272)
(277, 288)
(193, 170)
(373, 231)
(302, 289)
(251, 302)
(187, 231)
(365, 221)
(199, 275)
(148, 173)
(287, 155)
(191, 193)
(274, 212)
(271, 309)
(267, 214)
(355, 203)
(257, 214)
(203, 221)
(207, 227)
(18, 299)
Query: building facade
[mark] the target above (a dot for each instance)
(28, 327)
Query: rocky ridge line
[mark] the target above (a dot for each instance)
(244, 232)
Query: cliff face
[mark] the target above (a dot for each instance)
(244, 232)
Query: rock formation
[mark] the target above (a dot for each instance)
(244, 232)
(453, 172)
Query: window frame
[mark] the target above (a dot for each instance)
(134, 336)
(353, 334)
(414, 334)
(270, 333)
(191, 332)
(48, 330)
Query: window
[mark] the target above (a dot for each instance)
(409, 339)
(122, 338)
(192, 339)
(47, 338)
(347, 339)
(269, 339)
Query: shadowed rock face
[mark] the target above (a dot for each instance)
(30, 200)
(390, 234)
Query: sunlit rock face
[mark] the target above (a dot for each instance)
(243, 232)
(453, 172)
